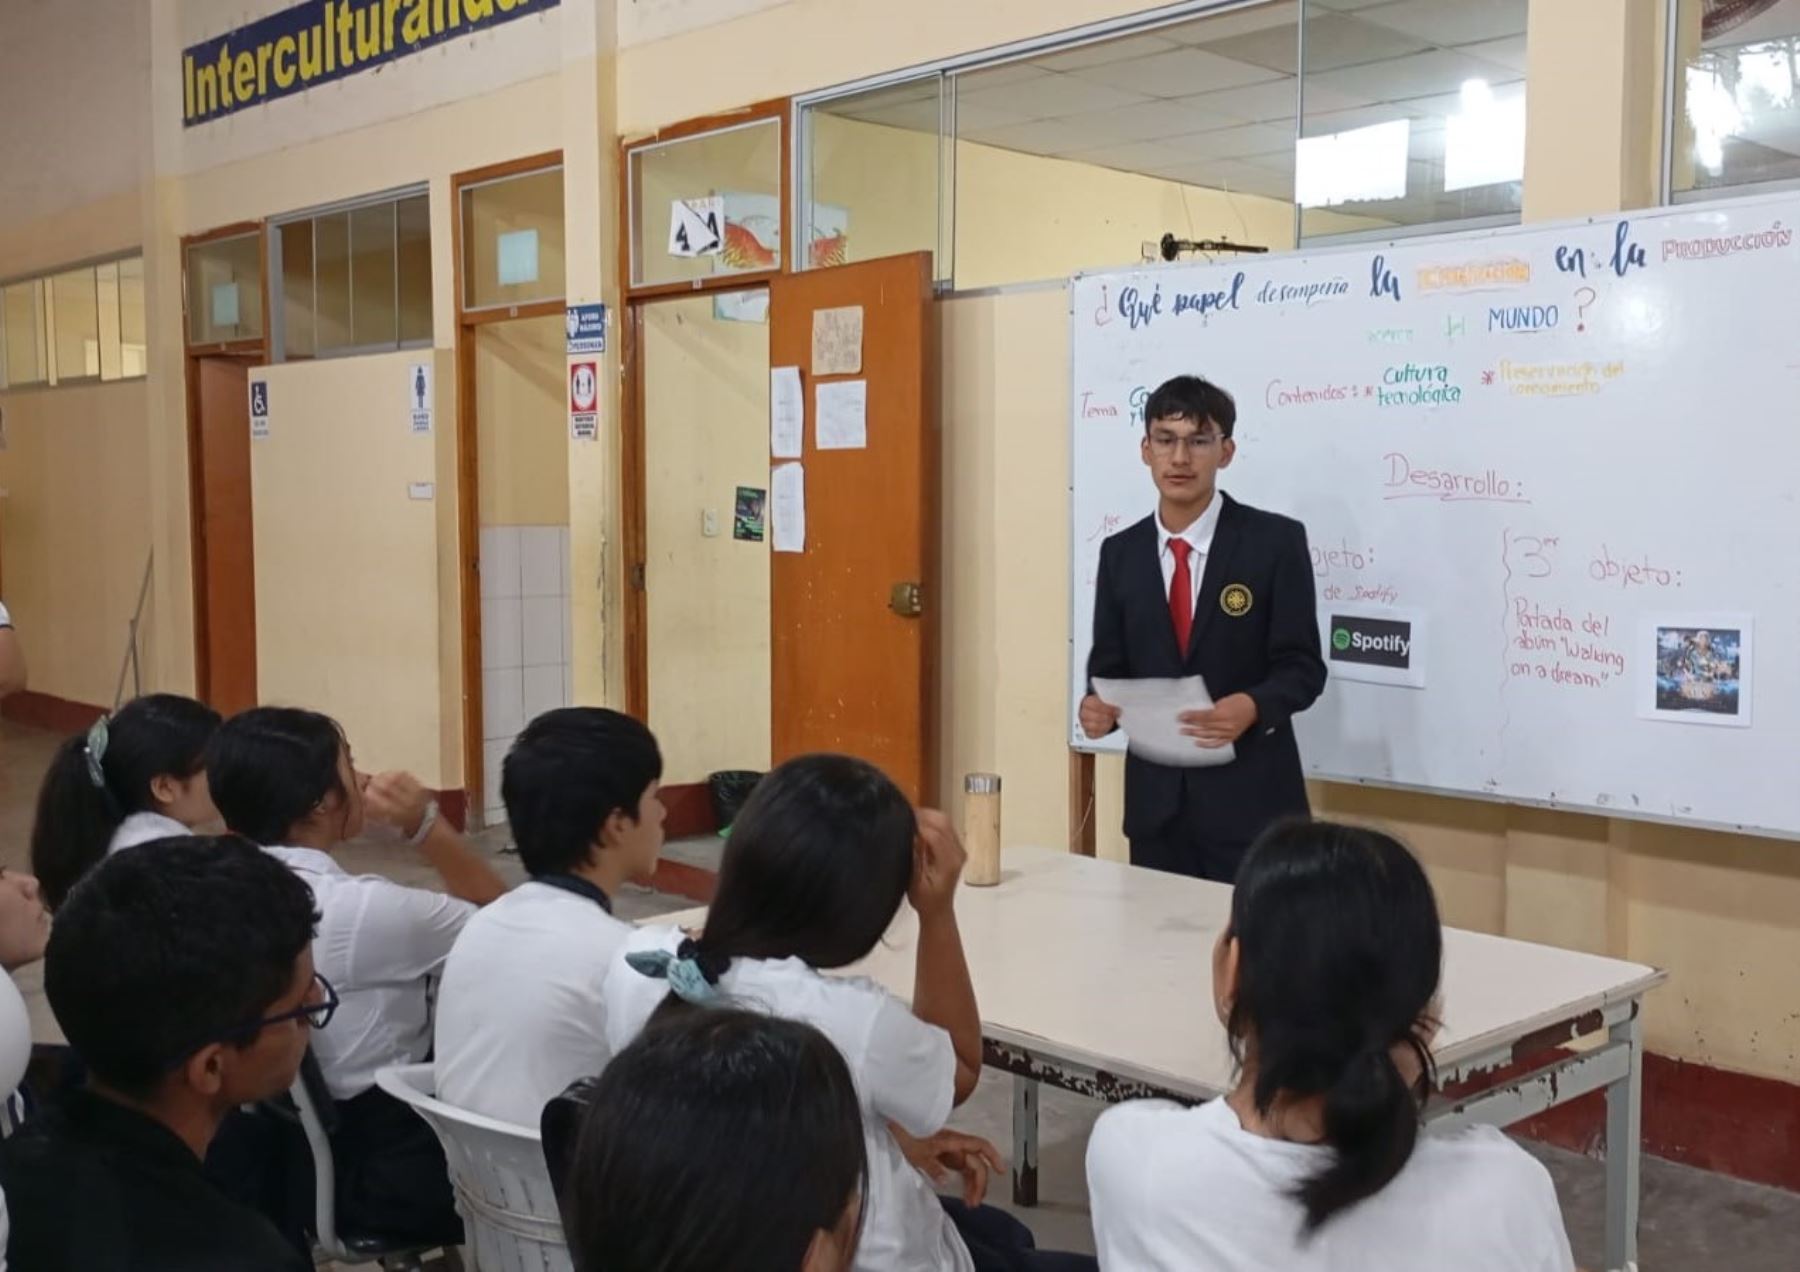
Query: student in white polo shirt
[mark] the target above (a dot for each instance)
(136, 776)
(820, 860)
(285, 779)
(1326, 980)
(518, 1012)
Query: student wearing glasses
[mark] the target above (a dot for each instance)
(184, 981)
(1211, 587)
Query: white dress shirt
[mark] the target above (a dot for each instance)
(378, 944)
(518, 1010)
(904, 1070)
(1199, 537)
(1176, 1189)
(142, 828)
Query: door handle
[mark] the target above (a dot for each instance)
(907, 600)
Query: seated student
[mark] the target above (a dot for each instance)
(718, 1139)
(136, 776)
(818, 863)
(1326, 980)
(283, 778)
(184, 981)
(518, 1012)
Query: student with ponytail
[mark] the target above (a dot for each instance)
(819, 862)
(136, 776)
(1326, 980)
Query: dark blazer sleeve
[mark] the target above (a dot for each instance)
(1107, 657)
(1296, 668)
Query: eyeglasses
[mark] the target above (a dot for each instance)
(316, 1013)
(1166, 444)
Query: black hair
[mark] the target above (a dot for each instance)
(816, 867)
(718, 1139)
(157, 954)
(1188, 397)
(1339, 956)
(161, 735)
(269, 767)
(568, 772)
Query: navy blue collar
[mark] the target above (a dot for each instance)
(579, 886)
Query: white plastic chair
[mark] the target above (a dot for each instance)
(503, 1192)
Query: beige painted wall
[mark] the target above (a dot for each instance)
(347, 613)
(72, 531)
(522, 423)
(706, 412)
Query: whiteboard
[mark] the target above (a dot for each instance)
(1554, 455)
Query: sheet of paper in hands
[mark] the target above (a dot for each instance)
(1150, 713)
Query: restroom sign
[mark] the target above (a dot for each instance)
(584, 400)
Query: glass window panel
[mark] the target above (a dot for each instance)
(298, 301)
(1414, 115)
(224, 292)
(413, 217)
(23, 306)
(513, 240)
(134, 351)
(742, 167)
(374, 277)
(106, 288)
(75, 319)
(1086, 157)
(331, 275)
(1736, 118)
(873, 164)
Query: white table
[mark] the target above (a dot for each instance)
(1097, 978)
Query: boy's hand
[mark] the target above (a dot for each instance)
(952, 1153)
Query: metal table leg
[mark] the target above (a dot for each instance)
(1025, 1141)
(1624, 1150)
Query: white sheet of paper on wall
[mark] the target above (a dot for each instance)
(225, 305)
(787, 412)
(843, 415)
(787, 513)
(518, 257)
(696, 227)
(837, 341)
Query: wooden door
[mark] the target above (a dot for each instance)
(851, 671)
(226, 588)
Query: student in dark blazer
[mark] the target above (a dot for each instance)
(1211, 587)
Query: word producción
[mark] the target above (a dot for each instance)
(1417, 384)
(1524, 318)
(322, 40)
(1558, 379)
(1475, 275)
(1699, 249)
(1404, 481)
(1308, 294)
(1140, 312)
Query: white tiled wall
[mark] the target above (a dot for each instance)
(524, 638)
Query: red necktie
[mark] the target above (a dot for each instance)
(1181, 594)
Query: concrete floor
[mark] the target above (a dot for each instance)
(1693, 1221)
